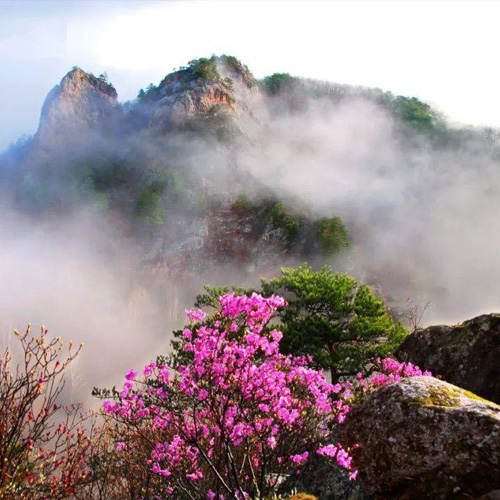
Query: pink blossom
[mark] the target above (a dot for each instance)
(195, 315)
(298, 459)
(240, 394)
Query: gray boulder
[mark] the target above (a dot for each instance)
(467, 355)
(424, 438)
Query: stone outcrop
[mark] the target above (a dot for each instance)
(466, 355)
(81, 103)
(213, 91)
(218, 95)
(181, 105)
(224, 235)
(424, 438)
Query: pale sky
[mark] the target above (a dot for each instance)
(444, 52)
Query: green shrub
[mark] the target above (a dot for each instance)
(204, 69)
(231, 62)
(149, 205)
(286, 221)
(151, 94)
(243, 204)
(412, 111)
(279, 82)
(333, 236)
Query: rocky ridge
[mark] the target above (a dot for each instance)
(216, 95)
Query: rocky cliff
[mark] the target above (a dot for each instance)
(80, 103)
(212, 95)
(213, 92)
(249, 237)
(164, 168)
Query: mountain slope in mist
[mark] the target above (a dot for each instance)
(165, 169)
(213, 176)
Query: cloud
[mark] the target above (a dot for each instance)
(422, 216)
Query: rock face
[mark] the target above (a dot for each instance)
(80, 103)
(466, 355)
(225, 235)
(213, 91)
(424, 438)
(183, 103)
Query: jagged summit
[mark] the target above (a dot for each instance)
(201, 72)
(213, 94)
(99, 83)
(80, 102)
(213, 90)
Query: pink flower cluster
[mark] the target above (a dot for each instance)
(389, 371)
(239, 415)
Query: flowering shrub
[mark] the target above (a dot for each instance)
(332, 317)
(228, 422)
(42, 445)
(236, 418)
(234, 415)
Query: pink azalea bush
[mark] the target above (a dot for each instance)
(239, 415)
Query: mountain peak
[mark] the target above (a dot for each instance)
(215, 69)
(214, 88)
(233, 68)
(81, 102)
(77, 78)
